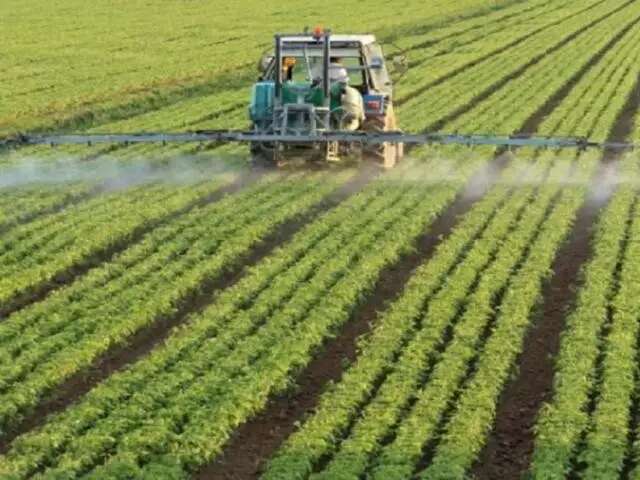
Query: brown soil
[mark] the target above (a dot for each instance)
(508, 452)
(146, 339)
(253, 443)
(509, 449)
(625, 123)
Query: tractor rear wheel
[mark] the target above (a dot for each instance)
(386, 154)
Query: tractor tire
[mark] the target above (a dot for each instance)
(387, 154)
(262, 158)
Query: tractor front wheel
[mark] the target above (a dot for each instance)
(262, 156)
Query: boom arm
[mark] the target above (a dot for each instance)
(364, 138)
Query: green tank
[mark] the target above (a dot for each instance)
(261, 106)
(303, 92)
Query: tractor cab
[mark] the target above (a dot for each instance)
(320, 82)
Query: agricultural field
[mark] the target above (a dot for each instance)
(171, 312)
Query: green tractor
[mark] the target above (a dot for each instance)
(318, 82)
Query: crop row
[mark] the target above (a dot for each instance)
(507, 109)
(579, 348)
(589, 95)
(464, 29)
(450, 95)
(551, 73)
(44, 345)
(608, 83)
(189, 114)
(470, 320)
(182, 231)
(25, 203)
(167, 66)
(433, 63)
(33, 254)
(563, 422)
(317, 439)
(465, 432)
(446, 376)
(175, 409)
(517, 97)
(192, 112)
(479, 232)
(212, 111)
(472, 417)
(481, 77)
(231, 302)
(606, 442)
(246, 338)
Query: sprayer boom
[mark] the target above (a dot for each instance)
(322, 137)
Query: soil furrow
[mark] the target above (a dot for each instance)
(257, 440)
(508, 452)
(146, 339)
(625, 122)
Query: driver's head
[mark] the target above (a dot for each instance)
(337, 73)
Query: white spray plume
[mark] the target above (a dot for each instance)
(112, 172)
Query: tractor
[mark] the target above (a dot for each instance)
(318, 82)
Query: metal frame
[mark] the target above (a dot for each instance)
(363, 138)
(319, 118)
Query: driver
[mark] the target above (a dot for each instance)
(352, 114)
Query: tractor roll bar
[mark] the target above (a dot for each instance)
(326, 63)
(325, 68)
(278, 72)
